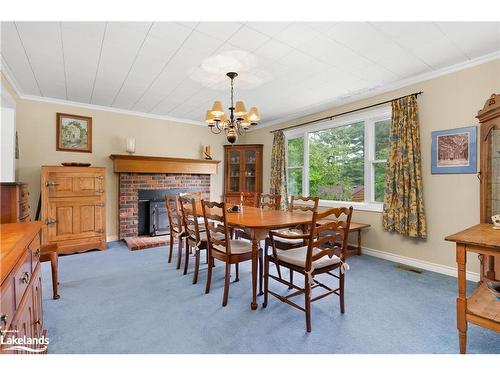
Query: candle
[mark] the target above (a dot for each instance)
(131, 145)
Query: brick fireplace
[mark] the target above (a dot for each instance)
(132, 183)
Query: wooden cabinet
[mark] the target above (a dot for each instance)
(242, 171)
(73, 207)
(14, 199)
(21, 308)
(489, 143)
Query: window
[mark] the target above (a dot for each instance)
(342, 160)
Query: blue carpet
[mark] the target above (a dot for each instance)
(121, 301)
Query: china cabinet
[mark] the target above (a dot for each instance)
(489, 175)
(242, 171)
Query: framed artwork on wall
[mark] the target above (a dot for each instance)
(73, 133)
(454, 151)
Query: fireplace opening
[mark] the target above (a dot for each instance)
(152, 212)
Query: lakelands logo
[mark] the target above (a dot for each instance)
(27, 344)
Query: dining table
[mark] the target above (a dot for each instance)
(257, 223)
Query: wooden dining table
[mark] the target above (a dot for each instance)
(257, 223)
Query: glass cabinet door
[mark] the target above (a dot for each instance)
(494, 178)
(250, 170)
(234, 171)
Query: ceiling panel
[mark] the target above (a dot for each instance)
(13, 54)
(150, 67)
(81, 48)
(122, 42)
(42, 41)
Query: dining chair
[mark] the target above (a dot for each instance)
(195, 238)
(175, 227)
(269, 201)
(297, 203)
(325, 252)
(220, 244)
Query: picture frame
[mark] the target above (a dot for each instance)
(454, 151)
(73, 133)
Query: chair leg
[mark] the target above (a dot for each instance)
(209, 273)
(341, 292)
(171, 244)
(186, 260)
(226, 284)
(291, 279)
(196, 266)
(307, 297)
(266, 280)
(237, 267)
(179, 253)
(206, 255)
(266, 246)
(54, 268)
(261, 270)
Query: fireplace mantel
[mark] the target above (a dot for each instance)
(158, 164)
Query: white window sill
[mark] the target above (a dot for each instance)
(360, 206)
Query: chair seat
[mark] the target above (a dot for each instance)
(290, 232)
(237, 247)
(298, 255)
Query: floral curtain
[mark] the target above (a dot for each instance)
(278, 168)
(403, 200)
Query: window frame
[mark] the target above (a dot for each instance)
(369, 117)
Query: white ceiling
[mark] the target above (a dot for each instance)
(143, 66)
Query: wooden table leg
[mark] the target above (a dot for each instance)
(462, 298)
(359, 241)
(255, 255)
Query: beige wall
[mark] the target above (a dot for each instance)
(451, 201)
(36, 126)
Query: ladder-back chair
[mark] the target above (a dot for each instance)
(325, 252)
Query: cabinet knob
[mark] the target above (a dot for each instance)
(100, 204)
(37, 253)
(51, 183)
(98, 230)
(36, 322)
(99, 177)
(50, 221)
(100, 191)
(25, 278)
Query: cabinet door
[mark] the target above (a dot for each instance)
(23, 321)
(234, 171)
(250, 170)
(37, 303)
(75, 218)
(71, 184)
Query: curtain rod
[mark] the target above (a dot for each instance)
(345, 113)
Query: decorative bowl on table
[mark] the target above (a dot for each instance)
(494, 288)
(74, 164)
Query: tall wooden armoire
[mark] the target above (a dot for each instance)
(489, 175)
(74, 208)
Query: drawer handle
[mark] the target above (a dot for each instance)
(99, 231)
(100, 204)
(50, 221)
(36, 322)
(100, 191)
(100, 177)
(51, 183)
(37, 253)
(25, 278)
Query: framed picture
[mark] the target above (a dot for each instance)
(74, 133)
(454, 151)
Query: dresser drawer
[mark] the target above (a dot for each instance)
(22, 276)
(7, 304)
(23, 192)
(34, 247)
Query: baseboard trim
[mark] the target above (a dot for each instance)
(422, 264)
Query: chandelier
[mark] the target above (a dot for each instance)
(239, 120)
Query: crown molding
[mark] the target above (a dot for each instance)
(5, 70)
(384, 89)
